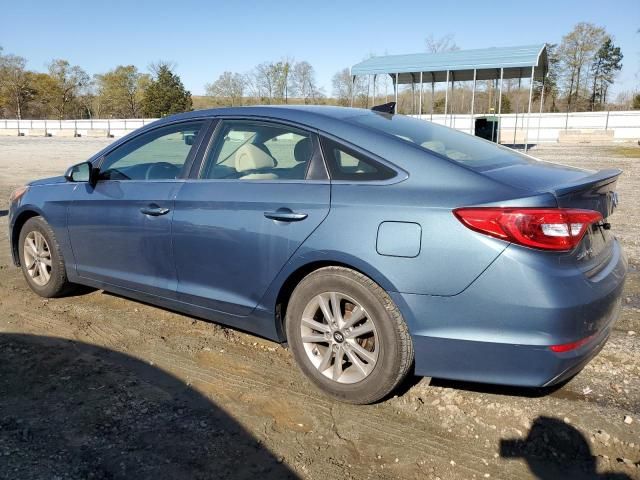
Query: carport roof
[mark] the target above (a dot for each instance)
(516, 62)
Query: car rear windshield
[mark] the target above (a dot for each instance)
(459, 147)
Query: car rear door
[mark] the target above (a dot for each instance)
(262, 189)
(120, 229)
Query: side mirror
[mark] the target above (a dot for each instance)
(82, 172)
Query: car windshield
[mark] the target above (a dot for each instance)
(459, 147)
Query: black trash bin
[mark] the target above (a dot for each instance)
(487, 128)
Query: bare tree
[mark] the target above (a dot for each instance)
(270, 81)
(445, 43)
(229, 87)
(303, 80)
(345, 88)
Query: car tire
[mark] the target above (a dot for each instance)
(42, 262)
(367, 333)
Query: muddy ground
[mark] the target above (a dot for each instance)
(98, 386)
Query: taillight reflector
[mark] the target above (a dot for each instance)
(567, 347)
(558, 229)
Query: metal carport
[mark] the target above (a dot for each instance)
(496, 64)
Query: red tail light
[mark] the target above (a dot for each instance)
(557, 229)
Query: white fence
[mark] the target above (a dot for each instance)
(547, 127)
(73, 128)
(553, 127)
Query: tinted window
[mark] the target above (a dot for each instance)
(346, 164)
(456, 146)
(247, 150)
(156, 155)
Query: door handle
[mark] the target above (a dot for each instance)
(285, 215)
(154, 210)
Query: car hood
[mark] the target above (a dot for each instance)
(48, 181)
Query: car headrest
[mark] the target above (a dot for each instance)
(302, 150)
(249, 157)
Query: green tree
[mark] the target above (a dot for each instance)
(44, 98)
(607, 62)
(165, 94)
(577, 52)
(636, 102)
(551, 81)
(15, 84)
(69, 82)
(120, 92)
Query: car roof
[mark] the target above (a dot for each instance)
(280, 111)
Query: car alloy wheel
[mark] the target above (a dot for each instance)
(339, 337)
(37, 256)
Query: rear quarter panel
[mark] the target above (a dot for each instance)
(450, 256)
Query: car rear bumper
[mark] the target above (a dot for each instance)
(501, 328)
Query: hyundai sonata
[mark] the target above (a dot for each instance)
(373, 244)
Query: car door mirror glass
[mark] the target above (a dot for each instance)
(79, 173)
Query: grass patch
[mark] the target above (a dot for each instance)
(626, 151)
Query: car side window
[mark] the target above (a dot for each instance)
(157, 155)
(345, 163)
(250, 150)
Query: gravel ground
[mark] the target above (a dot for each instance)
(98, 386)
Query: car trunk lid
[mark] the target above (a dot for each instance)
(573, 188)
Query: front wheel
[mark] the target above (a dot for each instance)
(348, 336)
(41, 259)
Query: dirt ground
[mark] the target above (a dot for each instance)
(98, 386)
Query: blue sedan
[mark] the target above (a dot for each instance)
(373, 244)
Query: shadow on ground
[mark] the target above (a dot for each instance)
(72, 410)
(4, 213)
(554, 449)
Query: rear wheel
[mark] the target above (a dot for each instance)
(41, 260)
(347, 335)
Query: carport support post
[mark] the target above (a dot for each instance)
(446, 98)
(395, 108)
(368, 90)
(500, 105)
(433, 92)
(374, 90)
(413, 95)
(473, 100)
(420, 96)
(540, 114)
(451, 119)
(515, 128)
(526, 138)
(353, 88)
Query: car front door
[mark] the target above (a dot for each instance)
(120, 229)
(260, 193)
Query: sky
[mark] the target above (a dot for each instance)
(206, 38)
